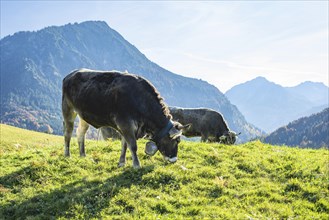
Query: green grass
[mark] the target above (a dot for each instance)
(209, 181)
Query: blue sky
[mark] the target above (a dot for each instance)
(222, 42)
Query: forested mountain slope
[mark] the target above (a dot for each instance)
(312, 131)
(33, 65)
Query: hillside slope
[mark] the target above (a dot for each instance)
(269, 106)
(311, 131)
(209, 181)
(33, 65)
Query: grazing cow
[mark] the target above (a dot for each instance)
(126, 102)
(207, 123)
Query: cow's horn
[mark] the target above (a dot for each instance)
(151, 148)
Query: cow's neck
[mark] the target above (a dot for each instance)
(156, 125)
(225, 128)
(157, 115)
(163, 132)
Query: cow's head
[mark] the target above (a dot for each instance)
(166, 141)
(228, 138)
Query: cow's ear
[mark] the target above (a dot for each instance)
(174, 132)
(183, 127)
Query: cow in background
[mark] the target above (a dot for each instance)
(207, 123)
(108, 132)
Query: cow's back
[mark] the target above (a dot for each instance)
(203, 120)
(206, 118)
(102, 97)
(98, 97)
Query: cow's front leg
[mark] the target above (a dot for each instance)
(132, 144)
(128, 130)
(204, 138)
(122, 160)
(133, 150)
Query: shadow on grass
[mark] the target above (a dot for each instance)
(90, 197)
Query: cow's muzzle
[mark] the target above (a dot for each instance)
(151, 149)
(171, 160)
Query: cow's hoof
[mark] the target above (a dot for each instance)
(121, 164)
(137, 167)
(67, 155)
(82, 155)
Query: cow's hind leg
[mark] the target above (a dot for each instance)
(122, 160)
(81, 134)
(69, 116)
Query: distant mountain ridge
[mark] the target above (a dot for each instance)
(311, 132)
(268, 105)
(315, 91)
(33, 65)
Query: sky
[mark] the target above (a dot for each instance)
(222, 42)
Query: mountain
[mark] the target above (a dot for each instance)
(268, 105)
(312, 131)
(33, 65)
(315, 91)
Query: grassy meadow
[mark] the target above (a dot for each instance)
(209, 181)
